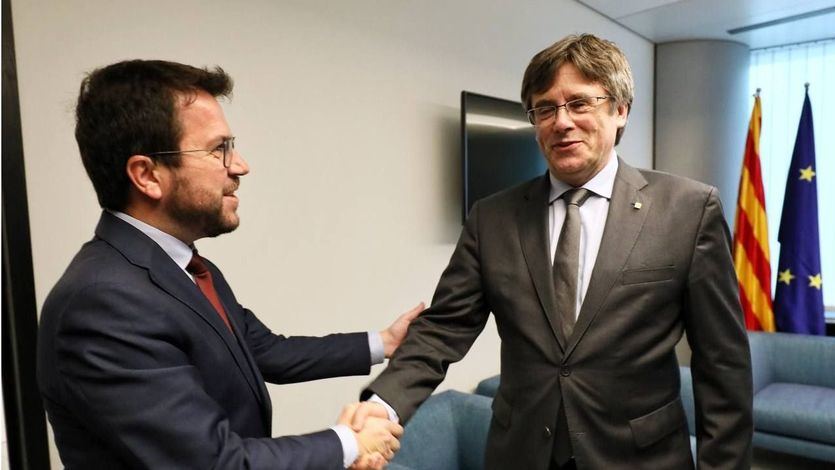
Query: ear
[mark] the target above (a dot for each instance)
(145, 176)
(622, 114)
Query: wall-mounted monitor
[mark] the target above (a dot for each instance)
(499, 147)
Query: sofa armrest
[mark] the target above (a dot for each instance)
(488, 387)
(448, 431)
(792, 358)
(761, 362)
(687, 398)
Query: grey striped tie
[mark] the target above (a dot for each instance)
(567, 259)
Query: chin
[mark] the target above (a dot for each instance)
(568, 164)
(221, 225)
(231, 223)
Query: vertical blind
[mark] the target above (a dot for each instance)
(781, 73)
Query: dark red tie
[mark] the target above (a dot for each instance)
(197, 268)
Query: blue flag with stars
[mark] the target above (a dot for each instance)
(798, 298)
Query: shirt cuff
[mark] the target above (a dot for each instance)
(392, 414)
(350, 449)
(375, 345)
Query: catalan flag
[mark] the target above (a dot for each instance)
(751, 256)
(798, 300)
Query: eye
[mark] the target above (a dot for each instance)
(580, 105)
(544, 111)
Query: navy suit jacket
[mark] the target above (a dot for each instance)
(137, 370)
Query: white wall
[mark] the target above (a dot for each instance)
(349, 215)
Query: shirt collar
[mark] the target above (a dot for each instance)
(601, 184)
(174, 247)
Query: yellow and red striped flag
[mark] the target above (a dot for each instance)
(751, 256)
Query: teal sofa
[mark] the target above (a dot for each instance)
(794, 394)
(447, 432)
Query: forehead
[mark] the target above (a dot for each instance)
(569, 81)
(201, 118)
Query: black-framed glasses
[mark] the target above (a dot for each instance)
(222, 152)
(542, 114)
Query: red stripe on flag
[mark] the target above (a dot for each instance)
(752, 323)
(752, 163)
(754, 250)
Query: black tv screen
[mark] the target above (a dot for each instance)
(499, 146)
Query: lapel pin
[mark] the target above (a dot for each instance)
(636, 205)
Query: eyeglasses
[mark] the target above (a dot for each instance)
(542, 114)
(222, 152)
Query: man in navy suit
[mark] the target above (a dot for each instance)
(145, 357)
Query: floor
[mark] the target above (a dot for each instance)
(768, 460)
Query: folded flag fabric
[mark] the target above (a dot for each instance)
(798, 300)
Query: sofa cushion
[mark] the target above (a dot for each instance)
(796, 410)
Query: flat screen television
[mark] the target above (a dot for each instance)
(499, 147)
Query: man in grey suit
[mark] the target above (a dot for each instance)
(593, 273)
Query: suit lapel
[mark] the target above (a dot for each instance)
(532, 221)
(623, 225)
(178, 285)
(227, 298)
(142, 251)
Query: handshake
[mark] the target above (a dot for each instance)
(377, 437)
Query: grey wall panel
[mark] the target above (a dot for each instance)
(702, 112)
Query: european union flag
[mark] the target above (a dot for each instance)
(798, 299)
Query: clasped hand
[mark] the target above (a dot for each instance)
(377, 437)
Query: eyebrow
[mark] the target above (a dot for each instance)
(572, 97)
(220, 139)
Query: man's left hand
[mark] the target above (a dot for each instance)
(394, 334)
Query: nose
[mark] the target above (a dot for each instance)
(562, 120)
(239, 166)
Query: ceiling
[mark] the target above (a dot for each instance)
(764, 23)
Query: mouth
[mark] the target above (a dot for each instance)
(230, 191)
(231, 194)
(566, 145)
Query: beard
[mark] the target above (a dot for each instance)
(201, 210)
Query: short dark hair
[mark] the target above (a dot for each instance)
(130, 108)
(597, 59)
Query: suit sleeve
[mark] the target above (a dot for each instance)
(283, 360)
(721, 361)
(442, 334)
(133, 382)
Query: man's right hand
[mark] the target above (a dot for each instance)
(377, 439)
(379, 436)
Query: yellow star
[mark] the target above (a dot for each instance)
(786, 276)
(815, 281)
(807, 173)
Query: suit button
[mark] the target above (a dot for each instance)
(565, 371)
(547, 431)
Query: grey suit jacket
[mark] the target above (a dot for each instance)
(663, 269)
